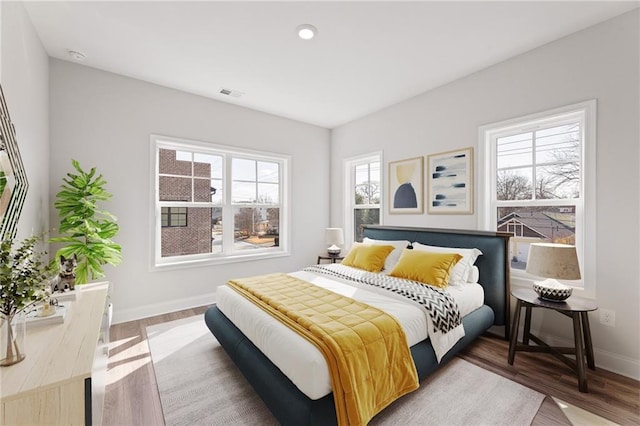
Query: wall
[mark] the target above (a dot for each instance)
(105, 120)
(600, 62)
(25, 82)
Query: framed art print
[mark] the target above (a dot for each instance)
(406, 186)
(450, 182)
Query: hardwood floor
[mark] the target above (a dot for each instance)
(132, 395)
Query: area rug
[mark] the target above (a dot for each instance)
(199, 384)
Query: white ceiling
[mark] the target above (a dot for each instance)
(366, 56)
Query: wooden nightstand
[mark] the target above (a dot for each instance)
(575, 308)
(334, 259)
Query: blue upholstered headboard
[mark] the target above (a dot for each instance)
(493, 264)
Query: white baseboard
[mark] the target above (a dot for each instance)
(124, 315)
(605, 360)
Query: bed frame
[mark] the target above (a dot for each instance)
(292, 407)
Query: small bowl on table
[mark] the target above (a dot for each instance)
(552, 291)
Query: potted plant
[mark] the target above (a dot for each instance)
(23, 277)
(86, 230)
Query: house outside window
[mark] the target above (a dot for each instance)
(536, 183)
(363, 194)
(215, 204)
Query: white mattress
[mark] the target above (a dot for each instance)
(308, 369)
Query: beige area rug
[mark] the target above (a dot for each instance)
(200, 385)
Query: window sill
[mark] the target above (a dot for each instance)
(199, 263)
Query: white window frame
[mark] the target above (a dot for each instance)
(585, 232)
(228, 255)
(349, 167)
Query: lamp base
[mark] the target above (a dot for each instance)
(334, 250)
(552, 290)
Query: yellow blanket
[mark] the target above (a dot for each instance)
(366, 349)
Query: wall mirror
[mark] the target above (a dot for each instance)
(13, 180)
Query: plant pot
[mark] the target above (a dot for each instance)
(12, 334)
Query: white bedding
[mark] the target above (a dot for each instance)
(308, 369)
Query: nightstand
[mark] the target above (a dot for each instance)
(575, 308)
(334, 259)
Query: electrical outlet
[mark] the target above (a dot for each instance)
(608, 317)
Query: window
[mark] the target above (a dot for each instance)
(174, 216)
(216, 203)
(536, 183)
(363, 192)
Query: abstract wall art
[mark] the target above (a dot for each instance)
(13, 180)
(450, 182)
(406, 186)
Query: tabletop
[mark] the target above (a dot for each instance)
(572, 304)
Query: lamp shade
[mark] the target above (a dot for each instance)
(559, 261)
(334, 236)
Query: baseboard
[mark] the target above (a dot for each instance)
(125, 315)
(605, 360)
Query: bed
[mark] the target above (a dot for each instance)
(286, 400)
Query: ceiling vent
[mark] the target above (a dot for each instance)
(231, 92)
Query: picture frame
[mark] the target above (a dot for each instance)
(450, 182)
(406, 186)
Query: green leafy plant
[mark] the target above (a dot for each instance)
(86, 230)
(23, 276)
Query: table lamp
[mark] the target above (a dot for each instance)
(554, 262)
(334, 237)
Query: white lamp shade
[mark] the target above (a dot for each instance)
(334, 236)
(559, 261)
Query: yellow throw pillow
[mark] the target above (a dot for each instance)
(425, 267)
(368, 257)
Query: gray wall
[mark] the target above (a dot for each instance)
(600, 62)
(105, 120)
(25, 82)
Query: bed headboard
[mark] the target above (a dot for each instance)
(493, 264)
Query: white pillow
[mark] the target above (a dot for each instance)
(474, 275)
(461, 271)
(394, 256)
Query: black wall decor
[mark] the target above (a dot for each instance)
(13, 180)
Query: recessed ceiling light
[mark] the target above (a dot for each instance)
(76, 56)
(306, 31)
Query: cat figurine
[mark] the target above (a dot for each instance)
(67, 273)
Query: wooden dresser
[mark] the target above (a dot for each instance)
(62, 379)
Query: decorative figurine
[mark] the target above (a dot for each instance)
(67, 273)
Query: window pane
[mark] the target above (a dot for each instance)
(268, 172)
(268, 193)
(362, 174)
(558, 145)
(558, 181)
(243, 169)
(172, 162)
(514, 151)
(217, 191)
(206, 165)
(216, 230)
(196, 237)
(364, 217)
(549, 224)
(514, 184)
(243, 192)
(374, 171)
(174, 188)
(256, 227)
(367, 183)
(202, 190)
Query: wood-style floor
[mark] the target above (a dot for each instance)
(132, 395)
